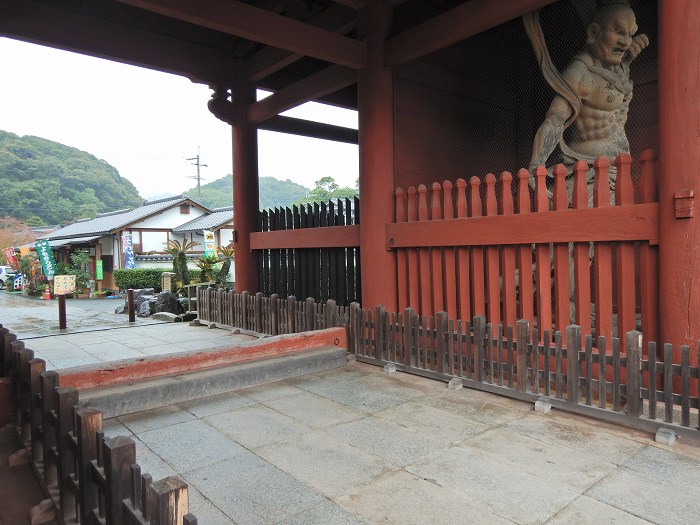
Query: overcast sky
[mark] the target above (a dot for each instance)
(146, 123)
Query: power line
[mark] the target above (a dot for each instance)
(198, 177)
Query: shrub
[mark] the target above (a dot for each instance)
(139, 278)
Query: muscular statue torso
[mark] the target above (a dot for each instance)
(600, 126)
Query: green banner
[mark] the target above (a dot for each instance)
(98, 271)
(48, 263)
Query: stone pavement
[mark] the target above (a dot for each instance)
(358, 445)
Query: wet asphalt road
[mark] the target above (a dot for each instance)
(30, 317)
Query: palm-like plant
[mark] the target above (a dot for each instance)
(225, 256)
(205, 264)
(178, 250)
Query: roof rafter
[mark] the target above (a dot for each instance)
(450, 27)
(236, 18)
(270, 59)
(45, 24)
(315, 86)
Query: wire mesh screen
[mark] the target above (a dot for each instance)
(475, 107)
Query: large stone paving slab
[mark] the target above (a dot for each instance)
(477, 406)
(270, 391)
(396, 444)
(155, 418)
(655, 486)
(500, 488)
(210, 405)
(584, 511)
(352, 393)
(313, 410)
(326, 513)
(190, 445)
(250, 491)
(609, 443)
(258, 426)
(327, 464)
(444, 426)
(401, 498)
(570, 468)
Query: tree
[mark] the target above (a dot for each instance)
(226, 257)
(13, 233)
(325, 189)
(178, 250)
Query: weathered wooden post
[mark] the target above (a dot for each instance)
(573, 339)
(62, 324)
(633, 372)
(522, 337)
(49, 382)
(119, 455)
(169, 501)
(88, 424)
(130, 305)
(65, 398)
(274, 314)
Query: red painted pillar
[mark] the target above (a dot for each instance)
(376, 141)
(245, 188)
(679, 170)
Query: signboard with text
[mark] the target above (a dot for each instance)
(128, 249)
(11, 258)
(63, 284)
(99, 272)
(46, 257)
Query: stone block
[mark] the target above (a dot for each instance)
(665, 436)
(42, 513)
(455, 383)
(542, 406)
(390, 368)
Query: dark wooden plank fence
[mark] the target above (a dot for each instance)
(91, 479)
(273, 315)
(642, 387)
(586, 375)
(320, 272)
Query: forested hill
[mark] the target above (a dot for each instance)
(44, 182)
(273, 193)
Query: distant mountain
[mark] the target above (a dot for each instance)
(44, 182)
(273, 193)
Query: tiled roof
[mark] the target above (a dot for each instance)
(107, 222)
(218, 217)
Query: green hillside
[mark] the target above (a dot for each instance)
(44, 182)
(273, 193)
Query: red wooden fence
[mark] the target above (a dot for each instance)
(508, 250)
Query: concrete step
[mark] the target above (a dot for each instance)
(127, 398)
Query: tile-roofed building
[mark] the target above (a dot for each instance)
(150, 227)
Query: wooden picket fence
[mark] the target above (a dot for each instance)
(267, 315)
(505, 250)
(633, 388)
(90, 479)
(327, 270)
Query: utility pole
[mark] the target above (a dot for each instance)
(198, 177)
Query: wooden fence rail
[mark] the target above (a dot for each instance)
(89, 478)
(587, 376)
(509, 248)
(267, 315)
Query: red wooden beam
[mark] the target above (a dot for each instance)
(49, 25)
(328, 237)
(315, 86)
(268, 60)
(245, 21)
(307, 128)
(615, 223)
(452, 26)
